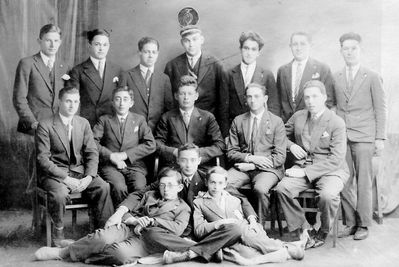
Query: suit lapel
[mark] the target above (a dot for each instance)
(182, 65)
(245, 127)
(43, 70)
(342, 82)
(287, 72)
(129, 128)
(204, 67)
(264, 128)
(108, 71)
(114, 123)
(180, 127)
(318, 130)
(211, 205)
(138, 80)
(301, 122)
(239, 85)
(93, 74)
(195, 119)
(60, 129)
(306, 76)
(258, 75)
(155, 84)
(357, 82)
(164, 207)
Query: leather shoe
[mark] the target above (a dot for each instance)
(347, 231)
(172, 257)
(218, 256)
(320, 239)
(361, 233)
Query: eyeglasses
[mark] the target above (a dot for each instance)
(163, 186)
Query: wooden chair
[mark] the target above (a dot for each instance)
(76, 203)
(309, 194)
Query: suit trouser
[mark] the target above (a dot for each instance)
(261, 182)
(157, 240)
(97, 194)
(359, 158)
(108, 246)
(259, 240)
(328, 199)
(124, 181)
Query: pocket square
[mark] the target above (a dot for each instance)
(315, 75)
(324, 135)
(136, 128)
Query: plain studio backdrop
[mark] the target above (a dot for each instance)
(221, 21)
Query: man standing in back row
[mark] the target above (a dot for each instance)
(361, 102)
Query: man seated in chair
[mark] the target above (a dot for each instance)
(188, 124)
(67, 159)
(317, 139)
(257, 146)
(121, 241)
(123, 140)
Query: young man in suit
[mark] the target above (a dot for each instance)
(67, 160)
(317, 140)
(96, 78)
(123, 243)
(188, 124)
(292, 76)
(152, 89)
(248, 71)
(123, 140)
(361, 102)
(206, 69)
(219, 222)
(257, 146)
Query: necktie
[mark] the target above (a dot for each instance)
(148, 78)
(253, 134)
(298, 77)
(70, 131)
(186, 118)
(50, 64)
(350, 79)
(122, 124)
(101, 68)
(247, 78)
(191, 61)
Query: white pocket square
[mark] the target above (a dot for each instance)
(136, 128)
(324, 135)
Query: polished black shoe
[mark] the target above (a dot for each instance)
(347, 231)
(320, 239)
(361, 233)
(218, 256)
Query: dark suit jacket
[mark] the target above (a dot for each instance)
(364, 109)
(34, 98)
(137, 140)
(95, 93)
(314, 70)
(55, 159)
(203, 131)
(327, 144)
(160, 101)
(236, 90)
(210, 80)
(271, 140)
(172, 215)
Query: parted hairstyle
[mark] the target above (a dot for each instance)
(67, 90)
(251, 35)
(315, 83)
(49, 28)
(350, 36)
(187, 80)
(170, 172)
(123, 89)
(217, 170)
(146, 40)
(188, 146)
(257, 85)
(91, 34)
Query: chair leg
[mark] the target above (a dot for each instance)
(48, 228)
(260, 212)
(74, 221)
(277, 210)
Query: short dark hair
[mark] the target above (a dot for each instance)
(315, 83)
(217, 170)
(187, 80)
(250, 35)
(146, 40)
(170, 171)
(307, 35)
(123, 89)
(93, 33)
(257, 85)
(188, 146)
(49, 28)
(350, 36)
(67, 90)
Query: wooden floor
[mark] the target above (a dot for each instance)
(380, 249)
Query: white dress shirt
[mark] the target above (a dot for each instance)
(247, 72)
(293, 73)
(194, 58)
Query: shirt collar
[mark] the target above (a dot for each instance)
(95, 61)
(189, 111)
(249, 66)
(144, 69)
(355, 69)
(120, 116)
(259, 116)
(65, 120)
(188, 178)
(303, 62)
(223, 195)
(195, 58)
(45, 58)
(318, 115)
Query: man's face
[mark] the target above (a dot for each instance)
(192, 43)
(122, 102)
(249, 51)
(256, 100)
(350, 51)
(69, 104)
(186, 97)
(49, 43)
(169, 188)
(216, 184)
(314, 99)
(188, 161)
(99, 47)
(149, 55)
(300, 47)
